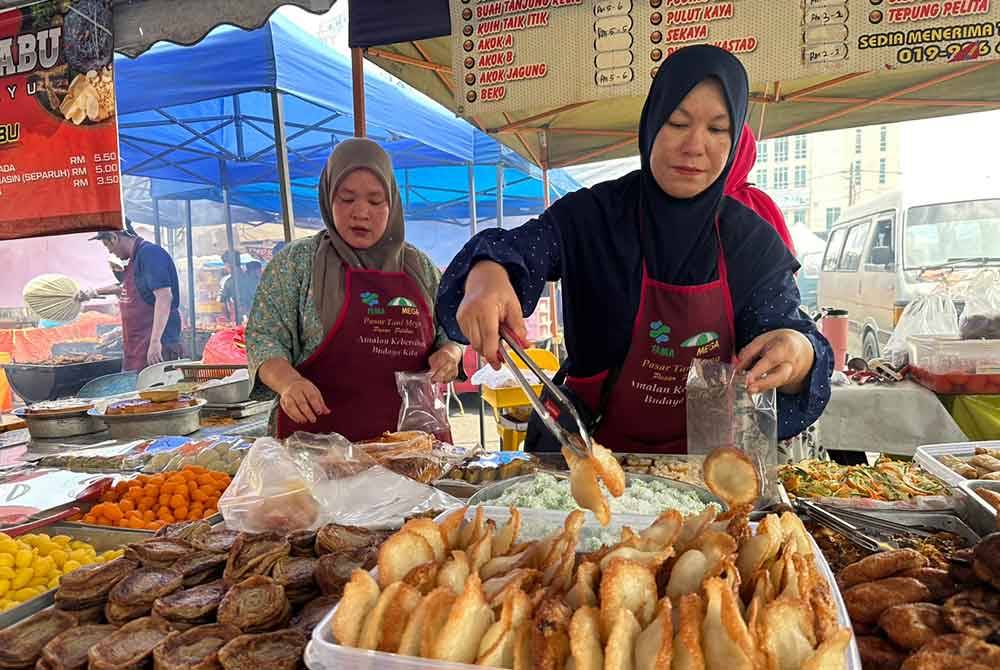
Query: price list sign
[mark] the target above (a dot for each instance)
(59, 168)
(527, 55)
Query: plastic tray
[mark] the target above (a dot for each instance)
(927, 457)
(949, 365)
(981, 515)
(323, 653)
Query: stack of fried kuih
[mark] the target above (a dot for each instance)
(194, 597)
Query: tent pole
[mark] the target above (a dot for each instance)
(157, 237)
(500, 185)
(232, 250)
(190, 269)
(281, 154)
(473, 226)
(358, 87)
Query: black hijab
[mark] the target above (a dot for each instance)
(679, 243)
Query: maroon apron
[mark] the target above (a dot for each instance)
(646, 411)
(384, 327)
(137, 318)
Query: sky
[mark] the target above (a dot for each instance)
(937, 153)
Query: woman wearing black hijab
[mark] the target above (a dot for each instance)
(657, 268)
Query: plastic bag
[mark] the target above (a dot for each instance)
(423, 407)
(312, 480)
(933, 314)
(221, 454)
(226, 347)
(500, 379)
(357, 491)
(414, 454)
(722, 413)
(981, 315)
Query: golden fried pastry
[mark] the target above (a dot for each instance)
(877, 654)
(914, 625)
(880, 566)
(935, 661)
(937, 581)
(965, 647)
(986, 560)
(866, 602)
(972, 621)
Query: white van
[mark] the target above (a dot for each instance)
(884, 253)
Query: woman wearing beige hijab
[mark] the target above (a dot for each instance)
(338, 314)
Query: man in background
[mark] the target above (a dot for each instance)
(148, 297)
(238, 289)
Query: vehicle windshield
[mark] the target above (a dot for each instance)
(956, 233)
(811, 263)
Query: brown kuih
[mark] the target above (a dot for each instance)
(195, 649)
(158, 552)
(130, 646)
(255, 605)
(254, 554)
(134, 595)
(303, 543)
(91, 584)
(219, 540)
(334, 538)
(185, 530)
(297, 574)
(333, 571)
(313, 612)
(281, 650)
(68, 651)
(192, 605)
(198, 567)
(22, 643)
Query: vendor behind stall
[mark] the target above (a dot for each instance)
(238, 288)
(657, 267)
(148, 296)
(338, 314)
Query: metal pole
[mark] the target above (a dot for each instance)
(500, 185)
(238, 266)
(358, 87)
(281, 154)
(156, 223)
(473, 226)
(191, 299)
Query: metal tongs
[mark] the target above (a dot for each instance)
(837, 524)
(578, 442)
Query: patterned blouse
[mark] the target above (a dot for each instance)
(284, 321)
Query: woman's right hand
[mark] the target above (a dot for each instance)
(302, 401)
(489, 303)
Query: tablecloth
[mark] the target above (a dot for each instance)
(892, 419)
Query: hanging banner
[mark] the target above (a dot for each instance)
(59, 170)
(523, 55)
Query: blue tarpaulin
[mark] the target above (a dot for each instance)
(198, 120)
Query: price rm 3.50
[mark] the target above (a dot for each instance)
(929, 53)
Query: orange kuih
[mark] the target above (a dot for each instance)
(150, 502)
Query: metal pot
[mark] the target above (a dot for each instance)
(58, 427)
(182, 421)
(232, 393)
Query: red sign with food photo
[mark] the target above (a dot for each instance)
(59, 169)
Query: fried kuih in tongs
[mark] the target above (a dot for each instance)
(588, 462)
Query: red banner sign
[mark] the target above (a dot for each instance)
(59, 169)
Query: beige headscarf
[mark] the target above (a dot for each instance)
(390, 254)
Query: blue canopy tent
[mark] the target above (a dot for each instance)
(248, 119)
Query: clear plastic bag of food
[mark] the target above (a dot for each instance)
(415, 454)
(275, 490)
(981, 315)
(933, 314)
(423, 407)
(722, 413)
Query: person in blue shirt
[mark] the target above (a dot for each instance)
(148, 297)
(657, 268)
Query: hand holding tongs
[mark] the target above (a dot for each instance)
(578, 442)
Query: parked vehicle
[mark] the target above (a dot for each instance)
(884, 253)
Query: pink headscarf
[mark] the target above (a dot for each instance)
(738, 188)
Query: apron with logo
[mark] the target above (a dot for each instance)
(645, 411)
(384, 327)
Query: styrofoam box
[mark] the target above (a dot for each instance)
(323, 653)
(927, 457)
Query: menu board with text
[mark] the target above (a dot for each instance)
(522, 55)
(59, 168)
